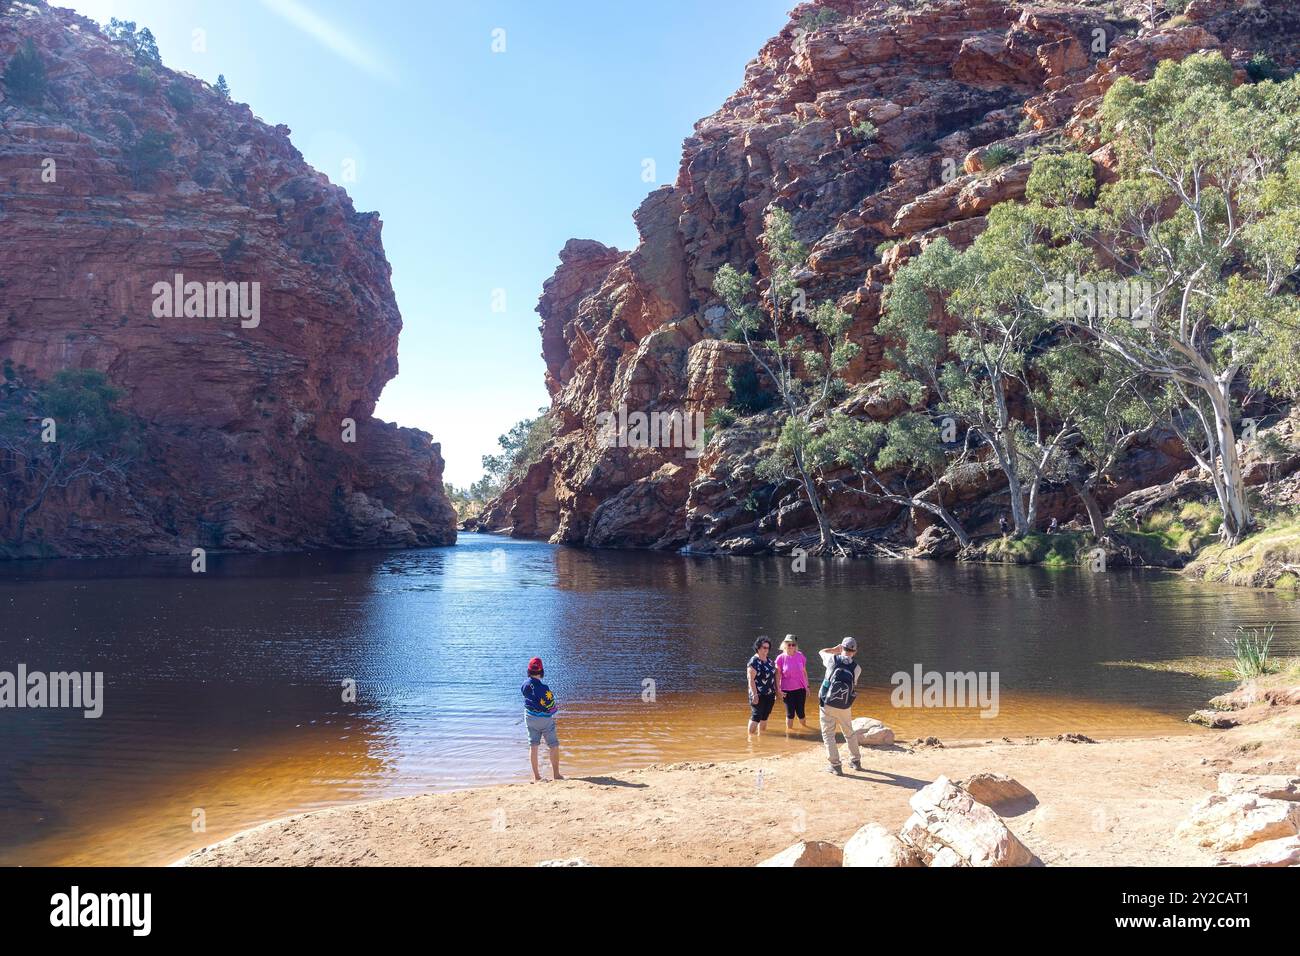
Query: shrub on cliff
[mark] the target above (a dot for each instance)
(24, 77)
(139, 43)
(747, 393)
(56, 434)
(520, 448)
(146, 156)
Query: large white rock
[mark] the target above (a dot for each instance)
(873, 845)
(1284, 852)
(946, 816)
(1235, 821)
(872, 732)
(807, 853)
(1275, 786)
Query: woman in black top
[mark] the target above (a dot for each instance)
(761, 673)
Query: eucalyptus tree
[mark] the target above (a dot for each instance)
(802, 350)
(1205, 214)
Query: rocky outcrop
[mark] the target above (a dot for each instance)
(940, 83)
(873, 845)
(949, 827)
(251, 431)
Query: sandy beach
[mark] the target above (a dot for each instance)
(1107, 803)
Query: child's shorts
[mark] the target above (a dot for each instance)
(539, 727)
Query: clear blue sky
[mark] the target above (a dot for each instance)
(481, 164)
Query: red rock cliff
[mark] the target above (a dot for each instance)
(124, 175)
(941, 82)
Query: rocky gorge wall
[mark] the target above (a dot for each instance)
(942, 82)
(124, 176)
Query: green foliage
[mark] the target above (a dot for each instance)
(222, 86)
(148, 155)
(815, 20)
(747, 393)
(866, 131)
(1263, 68)
(720, 418)
(998, 155)
(180, 97)
(1054, 551)
(1250, 651)
(24, 76)
(520, 447)
(92, 438)
(139, 43)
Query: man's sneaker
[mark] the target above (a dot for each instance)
(835, 769)
(855, 764)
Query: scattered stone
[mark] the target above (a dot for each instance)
(947, 817)
(1075, 739)
(808, 853)
(1284, 852)
(1214, 719)
(997, 790)
(873, 845)
(1275, 786)
(927, 742)
(872, 732)
(1236, 821)
(575, 861)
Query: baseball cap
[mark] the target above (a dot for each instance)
(535, 666)
(849, 644)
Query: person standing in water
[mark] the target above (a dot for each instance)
(792, 681)
(836, 699)
(539, 715)
(761, 675)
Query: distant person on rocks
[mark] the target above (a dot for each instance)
(539, 715)
(792, 680)
(836, 699)
(761, 675)
(1053, 526)
(1002, 524)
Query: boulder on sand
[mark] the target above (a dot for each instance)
(1275, 786)
(997, 790)
(872, 732)
(1237, 821)
(807, 853)
(1284, 852)
(946, 817)
(873, 845)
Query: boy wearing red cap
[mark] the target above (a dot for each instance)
(539, 715)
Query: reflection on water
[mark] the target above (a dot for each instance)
(224, 691)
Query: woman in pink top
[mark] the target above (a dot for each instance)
(792, 680)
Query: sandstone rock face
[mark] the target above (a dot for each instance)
(807, 853)
(242, 425)
(873, 845)
(872, 732)
(941, 82)
(948, 827)
(1238, 821)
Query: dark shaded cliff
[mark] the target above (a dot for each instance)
(117, 176)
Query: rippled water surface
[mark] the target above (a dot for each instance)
(224, 690)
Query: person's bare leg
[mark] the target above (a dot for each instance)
(532, 757)
(762, 726)
(789, 723)
(555, 762)
(753, 728)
